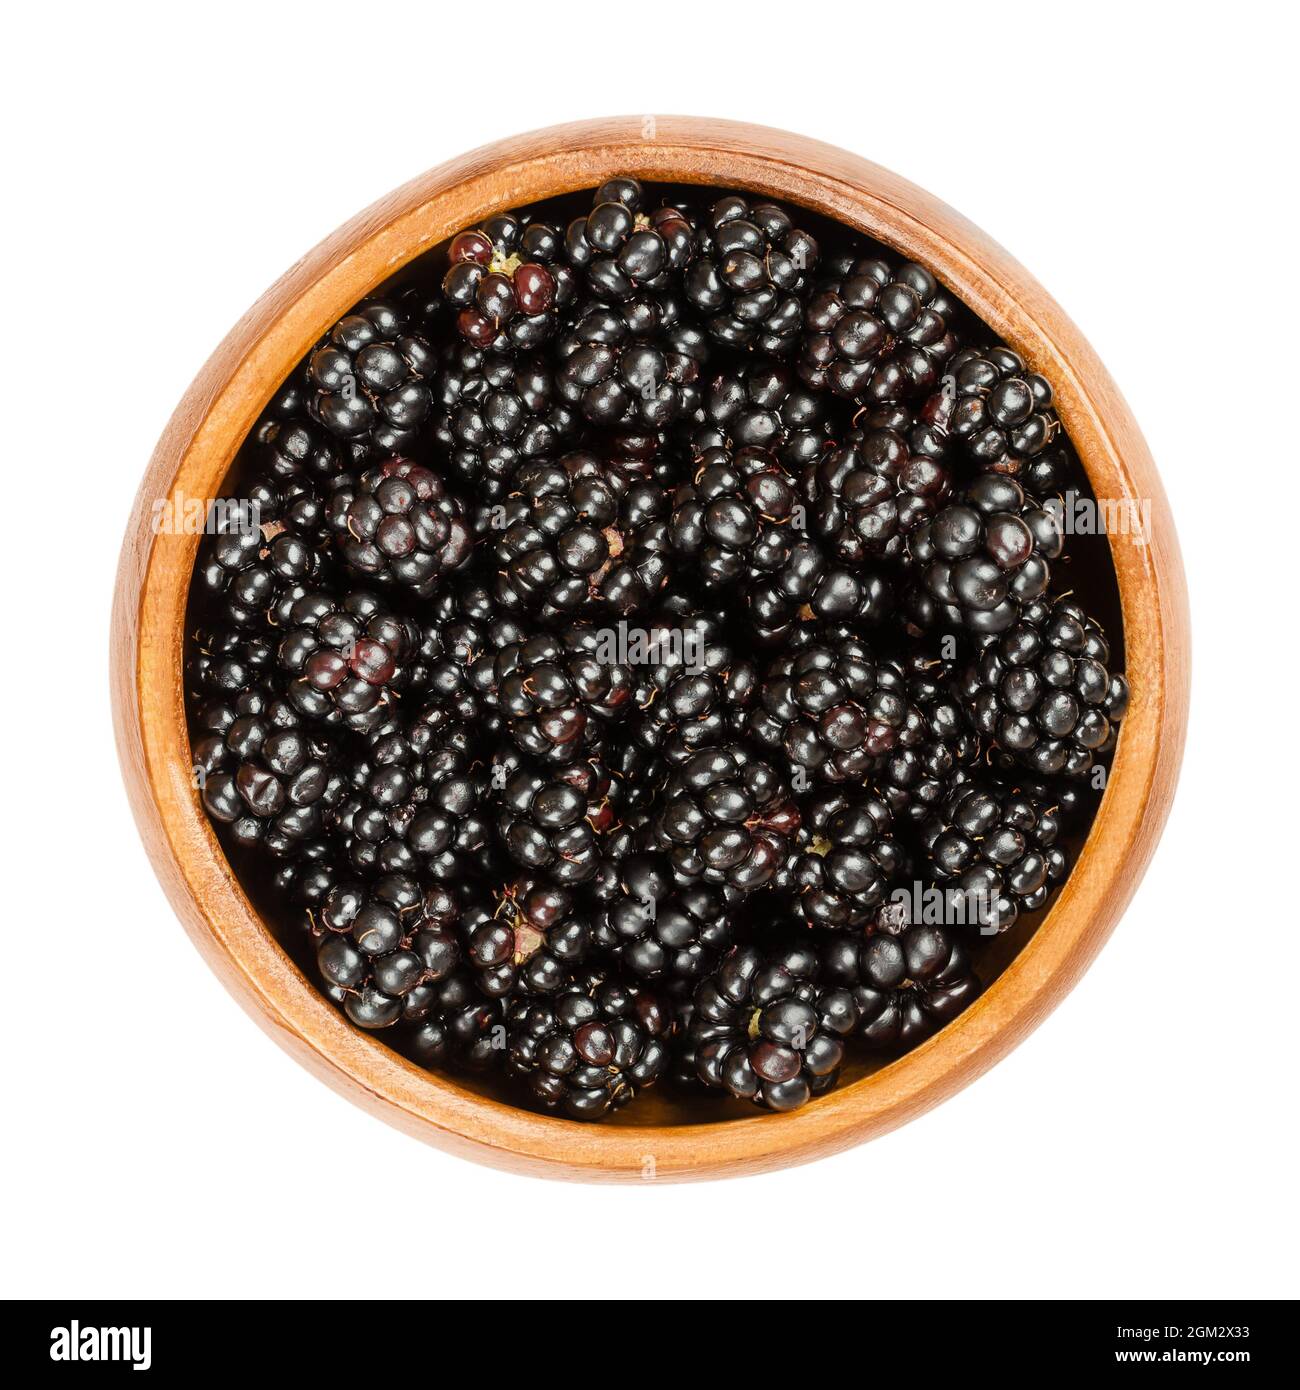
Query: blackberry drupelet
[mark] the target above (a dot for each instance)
(1043, 692)
(875, 333)
(763, 1028)
(904, 987)
(399, 525)
(846, 859)
(996, 846)
(592, 1047)
(751, 275)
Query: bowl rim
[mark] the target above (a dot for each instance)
(212, 420)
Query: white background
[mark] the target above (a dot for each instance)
(165, 165)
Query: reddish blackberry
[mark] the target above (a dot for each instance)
(870, 492)
(589, 1049)
(983, 557)
(873, 333)
(344, 658)
(726, 817)
(494, 411)
(399, 525)
(528, 939)
(556, 820)
(1043, 691)
(760, 404)
(845, 861)
(261, 773)
(624, 250)
(507, 282)
(621, 374)
(999, 409)
(904, 987)
(369, 378)
(997, 847)
(764, 1030)
(835, 709)
(657, 929)
(751, 273)
(576, 537)
(738, 515)
(555, 693)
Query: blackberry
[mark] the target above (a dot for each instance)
(245, 573)
(655, 928)
(835, 709)
(292, 448)
(764, 1029)
(224, 662)
(845, 861)
(904, 987)
(996, 846)
(454, 1024)
(624, 250)
(575, 537)
(622, 375)
(399, 525)
(750, 275)
(867, 494)
(260, 772)
(919, 772)
(809, 586)
(739, 514)
(529, 939)
(507, 282)
(555, 693)
(369, 378)
(999, 410)
(726, 817)
(344, 657)
(876, 333)
(1043, 693)
(761, 404)
(495, 411)
(591, 1048)
(555, 820)
(983, 557)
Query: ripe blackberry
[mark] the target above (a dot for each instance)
(1043, 693)
(624, 250)
(261, 773)
(621, 373)
(527, 939)
(657, 929)
(751, 274)
(867, 494)
(507, 282)
(224, 662)
(454, 1025)
(809, 586)
(575, 537)
(760, 404)
(845, 861)
(245, 573)
(495, 411)
(591, 1048)
(764, 1029)
(399, 525)
(344, 657)
(738, 515)
(369, 378)
(835, 709)
(997, 846)
(983, 557)
(904, 987)
(291, 447)
(876, 333)
(555, 693)
(1000, 410)
(556, 820)
(919, 772)
(381, 948)
(726, 817)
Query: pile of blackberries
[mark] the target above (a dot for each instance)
(625, 625)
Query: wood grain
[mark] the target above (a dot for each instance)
(194, 457)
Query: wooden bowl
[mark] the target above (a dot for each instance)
(660, 1137)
